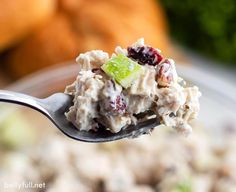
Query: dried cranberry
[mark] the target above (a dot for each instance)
(164, 73)
(119, 104)
(115, 102)
(144, 55)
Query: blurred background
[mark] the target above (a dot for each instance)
(39, 41)
(36, 34)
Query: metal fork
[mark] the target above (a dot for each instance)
(54, 107)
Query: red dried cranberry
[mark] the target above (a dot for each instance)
(119, 104)
(115, 103)
(164, 73)
(144, 55)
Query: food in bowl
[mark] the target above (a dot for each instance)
(163, 163)
(109, 92)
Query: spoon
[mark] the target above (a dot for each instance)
(54, 108)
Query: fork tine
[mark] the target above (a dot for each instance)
(132, 131)
(144, 127)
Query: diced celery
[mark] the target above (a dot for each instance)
(122, 69)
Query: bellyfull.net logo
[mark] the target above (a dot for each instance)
(9, 186)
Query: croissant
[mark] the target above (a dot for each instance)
(79, 26)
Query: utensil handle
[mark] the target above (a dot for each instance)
(22, 99)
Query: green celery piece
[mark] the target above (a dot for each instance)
(122, 69)
(183, 186)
